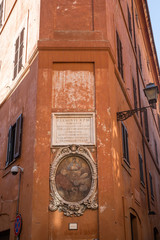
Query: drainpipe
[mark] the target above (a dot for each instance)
(139, 98)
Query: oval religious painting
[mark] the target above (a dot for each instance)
(73, 179)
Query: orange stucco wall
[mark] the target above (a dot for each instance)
(73, 68)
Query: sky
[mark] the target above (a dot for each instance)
(154, 9)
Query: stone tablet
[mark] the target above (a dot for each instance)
(73, 128)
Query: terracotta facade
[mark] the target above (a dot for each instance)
(70, 66)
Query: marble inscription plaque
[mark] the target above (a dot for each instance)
(74, 128)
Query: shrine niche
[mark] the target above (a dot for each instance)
(73, 181)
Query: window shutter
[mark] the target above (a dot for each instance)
(156, 150)
(151, 185)
(129, 21)
(16, 58)
(121, 60)
(146, 124)
(134, 93)
(125, 143)
(127, 151)
(141, 169)
(9, 147)
(118, 51)
(140, 61)
(1, 13)
(119, 55)
(159, 121)
(21, 49)
(18, 135)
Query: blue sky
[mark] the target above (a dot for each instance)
(154, 9)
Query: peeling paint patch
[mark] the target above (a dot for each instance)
(37, 180)
(35, 168)
(102, 209)
(109, 111)
(104, 127)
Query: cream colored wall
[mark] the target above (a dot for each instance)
(17, 14)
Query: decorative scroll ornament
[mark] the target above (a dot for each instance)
(73, 181)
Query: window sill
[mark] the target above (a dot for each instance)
(7, 169)
(126, 166)
(143, 184)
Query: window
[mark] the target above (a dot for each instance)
(140, 60)
(156, 150)
(129, 22)
(137, 19)
(148, 65)
(151, 185)
(119, 55)
(134, 93)
(1, 12)
(125, 143)
(14, 141)
(146, 125)
(5, 235)
(134, 227)
(19, 45)
(141, 169)
(156, 234)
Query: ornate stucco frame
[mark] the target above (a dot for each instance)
(57, 202)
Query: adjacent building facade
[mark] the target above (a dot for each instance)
(66, 69)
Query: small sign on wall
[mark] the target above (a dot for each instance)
(73, 128)
(73, 226)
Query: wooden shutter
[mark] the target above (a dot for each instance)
(118, 51)
(119, 55)
(1, 13)
(156, 150)
(16, 58)
(158, 121)
(10, 146)
(18, 135)
(121, 60)
(21, 46)
(141, 168)
(140, 61)
(125, 143)
(151, 184)
(134, 93)
(129, 22)
(146, 124)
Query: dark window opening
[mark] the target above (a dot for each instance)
(14, 141)
(134, 227)
(156, 234)
(119, 55)
(125, 143)
(5, 235)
